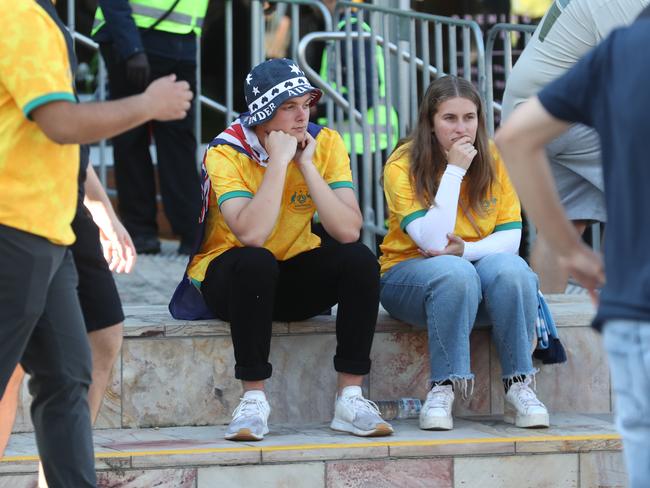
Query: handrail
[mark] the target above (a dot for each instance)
(257, 44)
(204, 102)
(333, 36)
(436, 19)
(492, 34)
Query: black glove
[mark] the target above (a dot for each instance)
(138, 71)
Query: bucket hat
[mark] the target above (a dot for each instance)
(269, 85)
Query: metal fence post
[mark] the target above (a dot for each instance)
(406, 73)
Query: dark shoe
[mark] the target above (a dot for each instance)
(185, 249)
(146, 244)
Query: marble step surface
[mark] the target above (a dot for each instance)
(177, 373)
(578, 451)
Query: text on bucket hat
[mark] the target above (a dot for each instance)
(269, 85)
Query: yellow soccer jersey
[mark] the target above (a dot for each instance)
(501, 209)
(38, 178)
(235, 175)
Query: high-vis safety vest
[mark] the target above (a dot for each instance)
(186, 16)
(378, 108)
(535, 9)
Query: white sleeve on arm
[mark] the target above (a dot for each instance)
(502, 241)
(430, 232)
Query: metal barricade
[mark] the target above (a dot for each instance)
(504, 33)
(403, 38)
(258, 24)
(200, 101)
(257, 55)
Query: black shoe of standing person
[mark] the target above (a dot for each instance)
(146, 244)
(185, 248)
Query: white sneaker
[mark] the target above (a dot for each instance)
(522, 407)
(436, 411)
(358, 416)
(249, 420)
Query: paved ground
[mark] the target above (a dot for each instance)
(154, 278)
(594, 431)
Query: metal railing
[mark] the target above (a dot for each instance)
(504, 33)
(258, 25)
(257, 55)
(415, 47)
(405, 41)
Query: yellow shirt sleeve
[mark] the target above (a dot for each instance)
(34, 65)
(400, 196)
(509, 211)
(337, 171)
(226, 174)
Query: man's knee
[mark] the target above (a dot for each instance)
(105, 345)
(12, 389)
(256, 263)
(53, 366)
(359, 260)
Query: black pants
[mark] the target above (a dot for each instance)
(176, 158)
(41, 327)
(249, 288)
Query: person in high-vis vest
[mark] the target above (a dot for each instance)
(533, 9)
(139, 40)
(377, 108)
(377, 105)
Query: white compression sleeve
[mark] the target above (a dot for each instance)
(502, 241)
(430, 232)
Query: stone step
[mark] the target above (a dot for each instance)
(578, 451)
(176, 373)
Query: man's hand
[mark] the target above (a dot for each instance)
(455, 247)
(586, 267)
(138, 71)
(118, 247)
(462, 153)
(281, 147)
(168, 99)
(305, 152)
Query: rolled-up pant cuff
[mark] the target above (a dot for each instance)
(253, 373)
(351, 366)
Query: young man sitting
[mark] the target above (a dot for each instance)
(266, 176)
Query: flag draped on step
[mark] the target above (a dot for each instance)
(549, 348)
(187, 302)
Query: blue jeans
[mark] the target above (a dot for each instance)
(628, 348)
(443, 294)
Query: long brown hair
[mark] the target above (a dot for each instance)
(428, 160)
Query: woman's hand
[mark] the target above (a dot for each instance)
(462, 153)
(455, 247)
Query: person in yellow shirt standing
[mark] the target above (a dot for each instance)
(264, 178)
(452, 242)
(41, 126)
